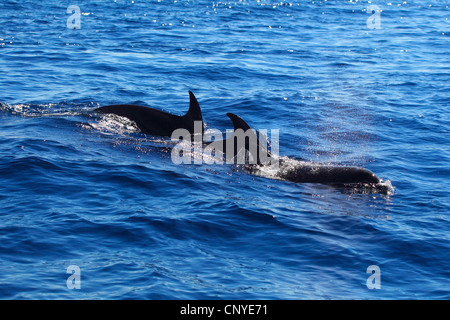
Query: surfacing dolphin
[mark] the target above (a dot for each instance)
(309, 172)
(157, 122)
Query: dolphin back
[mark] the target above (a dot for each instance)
(317, 173)
(157, 122)
(251, 138)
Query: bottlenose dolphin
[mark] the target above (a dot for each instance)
(156, 122)
(307, 172)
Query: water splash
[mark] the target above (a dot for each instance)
(114, 124)
(59, 109)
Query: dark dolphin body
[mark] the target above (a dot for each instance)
(308, 172)
(156, 122)
(327, 174)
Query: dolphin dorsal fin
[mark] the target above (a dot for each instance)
(194, 112)
(241, 124)
(238, 122)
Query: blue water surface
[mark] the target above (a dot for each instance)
(79, 189)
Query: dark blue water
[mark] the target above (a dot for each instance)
(80, 189)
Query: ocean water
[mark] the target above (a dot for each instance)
(344, 82)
